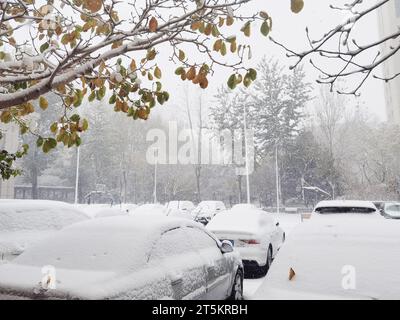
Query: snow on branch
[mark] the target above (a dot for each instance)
(348, 56)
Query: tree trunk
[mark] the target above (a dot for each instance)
(198, 175)
(239, 180)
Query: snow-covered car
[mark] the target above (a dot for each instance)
(25, 222)
(206, 210)
(127, 207)
(182, 209)
(101, 210)
(149, 208)
(391, 210)
(255, 233)
(347, 250)
(126, 258)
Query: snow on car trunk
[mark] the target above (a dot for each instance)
(338, 256)
(234, 224)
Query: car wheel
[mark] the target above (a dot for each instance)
(237, 288)
(268, 263)
(283, 237)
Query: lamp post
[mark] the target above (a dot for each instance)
(277, 178)
(246, 154)
(77, 174)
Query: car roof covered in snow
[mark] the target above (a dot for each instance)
(111, 243)
(345, 203)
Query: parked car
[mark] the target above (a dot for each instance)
(253, 232)
(181, 209)
(25, 222)
(127, 258)
(101, 210)
(206, 210)
(149, 208)
(391, 210)
(346, 250)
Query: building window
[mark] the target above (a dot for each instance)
(397, 4)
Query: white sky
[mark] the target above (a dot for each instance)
(289, 29)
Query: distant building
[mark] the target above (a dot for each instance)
(10, 143)
(58, 193)
(389, 22)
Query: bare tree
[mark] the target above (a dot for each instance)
(339, 45)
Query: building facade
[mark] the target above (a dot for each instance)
(389, 22)
(10, 143)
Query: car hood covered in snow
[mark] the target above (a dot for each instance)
(345, 256)
(14, 243)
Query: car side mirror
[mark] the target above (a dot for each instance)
(226, 247)
(277, 224)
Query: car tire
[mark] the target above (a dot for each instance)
(264, 269)
(237, 287)
(283, 237)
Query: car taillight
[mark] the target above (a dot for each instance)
(252, 241)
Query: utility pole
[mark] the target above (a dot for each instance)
(277, 177)
(155, 180)
(77, 174)
(247, 159)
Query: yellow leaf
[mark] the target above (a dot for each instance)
(133, 66)
(296, 5)
(157, 72)
(43, 104)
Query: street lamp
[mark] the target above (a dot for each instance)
(246, 153)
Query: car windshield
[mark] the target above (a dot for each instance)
(329, 210)
(393, 208)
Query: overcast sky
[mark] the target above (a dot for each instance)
(289, 29)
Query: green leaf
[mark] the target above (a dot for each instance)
(181, 55)
(75, 118)
(54, 127)
(44, 47)
(85, 125)
(252, 74)
(92, 96)
(39, 142)
(232, 82)
(179, 71)
(265, 28)
(112, 99)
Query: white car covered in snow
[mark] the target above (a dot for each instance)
(206, 210)
(25, 222)
(126, 258)
(346, 250)
(102, 210)
(255, 233)
(182, 209)
(149, 208)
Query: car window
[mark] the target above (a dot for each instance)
(171, 243)
(201, 239)
(395, 208)
(330, 210)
